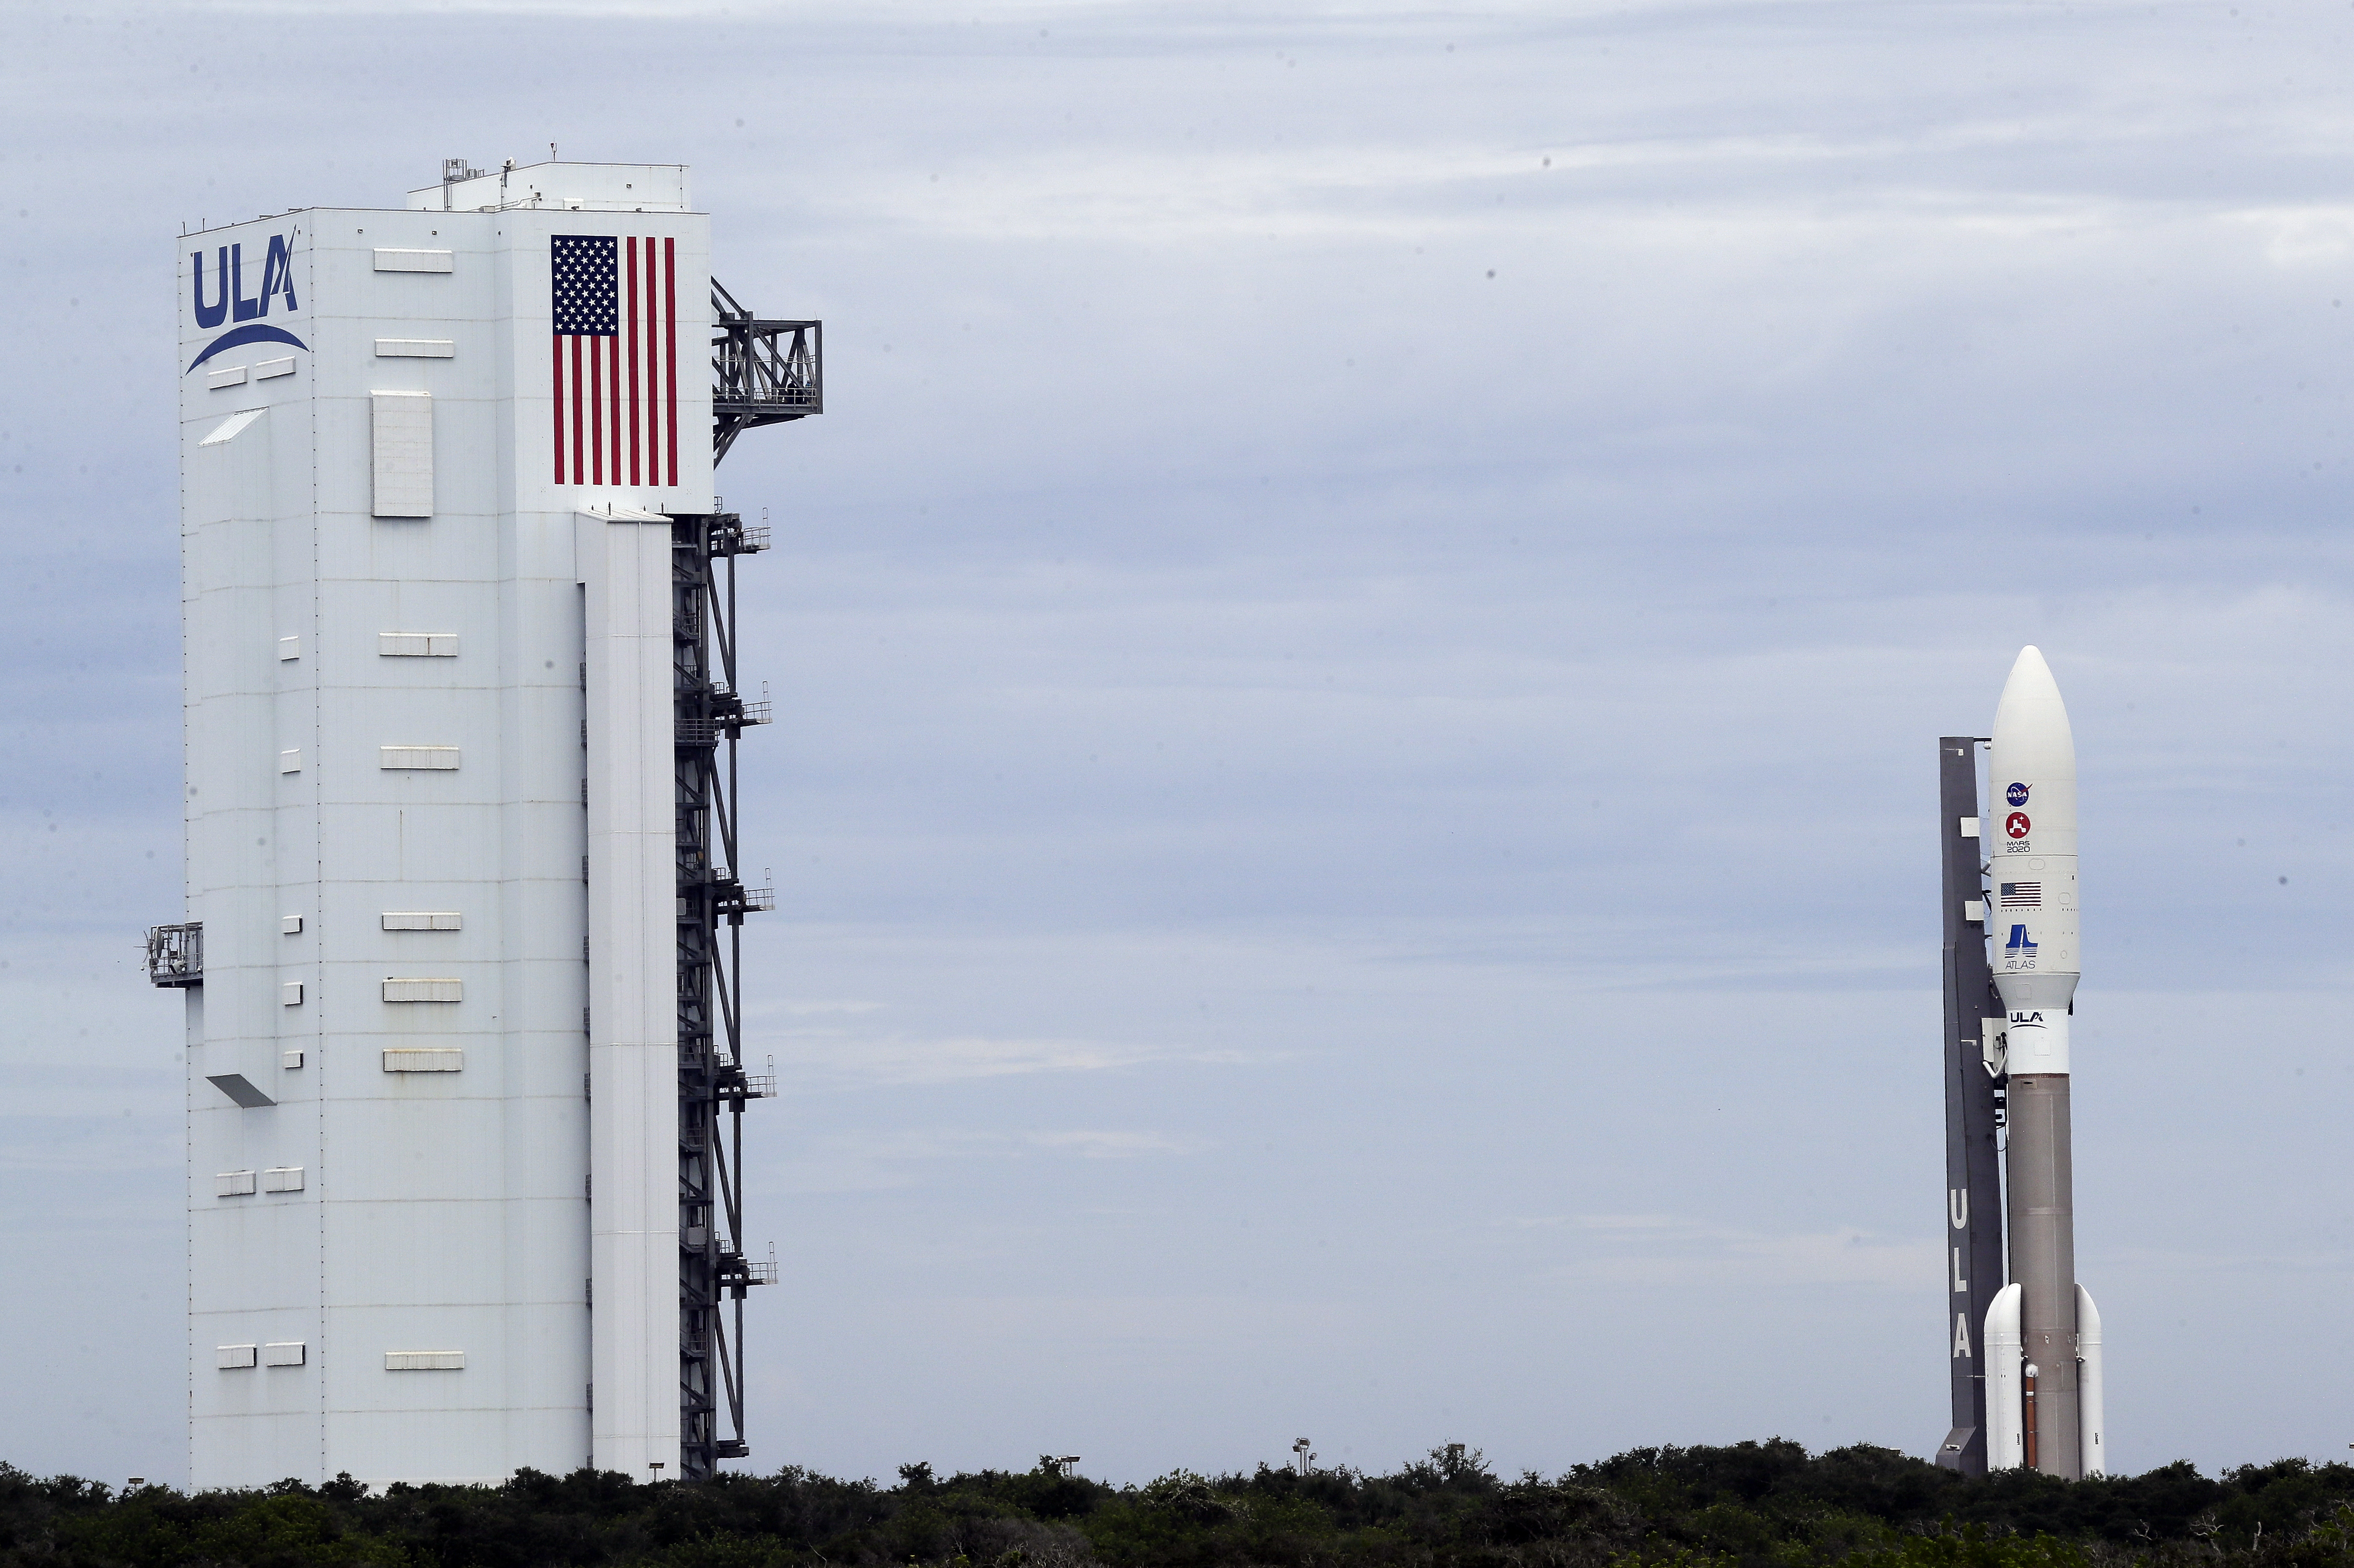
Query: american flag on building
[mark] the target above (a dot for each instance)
(615, 366)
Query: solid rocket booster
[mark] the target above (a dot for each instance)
(2031, 921)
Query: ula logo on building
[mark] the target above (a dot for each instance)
(228, 296)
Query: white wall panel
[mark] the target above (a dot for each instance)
(625, 568)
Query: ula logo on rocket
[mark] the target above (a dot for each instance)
(2016, 794)
(229, 294)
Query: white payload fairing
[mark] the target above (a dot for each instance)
(2041, 1332)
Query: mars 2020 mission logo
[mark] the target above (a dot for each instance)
(228, 299)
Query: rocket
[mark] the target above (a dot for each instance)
(2042, 1335)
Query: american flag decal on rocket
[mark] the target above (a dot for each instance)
(2023, 896)
(614, 370)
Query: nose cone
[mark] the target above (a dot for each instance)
(2030, 724)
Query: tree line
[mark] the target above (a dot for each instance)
(1748, 1505)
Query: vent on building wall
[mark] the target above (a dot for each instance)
(413, 988)
(228, 430)
(416, 645)
(282, 1178)
(232, 1183)
(241, 1088)
(282, 1353)
(412, 261)
(229, 1358)
(401, 443)
(426, 756)
(416, 1360)
(421, 920)
(424, 1059)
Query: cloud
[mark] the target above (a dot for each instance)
(1675, 1250)
(883, 1160)
(833, 1059)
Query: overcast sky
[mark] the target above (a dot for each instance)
(1358, 658)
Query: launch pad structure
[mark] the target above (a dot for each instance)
(1974, 1103)
(462, 956)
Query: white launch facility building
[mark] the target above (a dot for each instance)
(461, 877)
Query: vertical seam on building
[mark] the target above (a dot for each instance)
(317, 1066)
(187, 1047)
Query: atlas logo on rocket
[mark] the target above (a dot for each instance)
(276, 280)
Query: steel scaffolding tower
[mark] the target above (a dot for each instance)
(754, 383)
